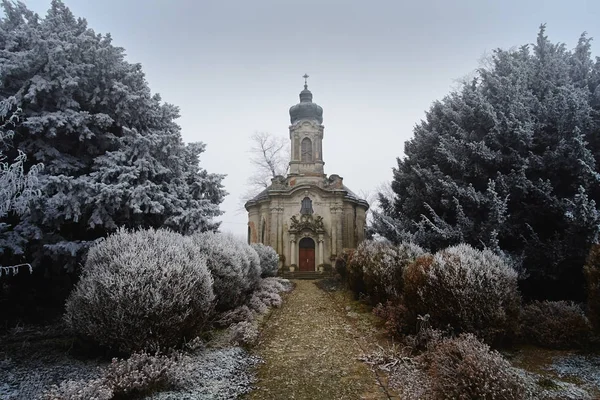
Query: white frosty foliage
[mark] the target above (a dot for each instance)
(269, 259)
(510, 161)
(267, 295)
(220, 374)
(252, 268)
(142, 290)
(113, 154)
(95, 389)
(382, 265)
(243, 333)
(233, 264)
(475, 289)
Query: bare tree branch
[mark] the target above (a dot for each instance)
(270, 157)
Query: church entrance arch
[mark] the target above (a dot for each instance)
(306, 254)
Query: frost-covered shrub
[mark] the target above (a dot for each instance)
(269, 260)
(139, 374)
(95, 389)
(221, 373)
(238, 314)
(274, 285)
(465, 368)
(243, 333)
(342, 261)
(143, 290)
(376, 269)
(592, 275)
(267, 294)
(395, 315)
(228, 264)
(251, 268)
(470, 290)
(554, 324)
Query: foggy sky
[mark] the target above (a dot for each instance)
(235, 67)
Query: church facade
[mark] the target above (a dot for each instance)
(307, 216)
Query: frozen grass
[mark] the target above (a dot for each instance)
(32, 362)
(585, 368)
(214, 374)
(29, 364)
(206, 374)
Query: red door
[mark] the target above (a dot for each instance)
(307, 259)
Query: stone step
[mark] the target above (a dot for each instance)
(305, 275)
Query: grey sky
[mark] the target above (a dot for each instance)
(235, 67)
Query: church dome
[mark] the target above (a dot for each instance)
(306, 109)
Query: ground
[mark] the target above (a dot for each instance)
(311, 348)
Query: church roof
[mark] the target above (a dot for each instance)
(264, 195)
(306, 109)
(350, 194)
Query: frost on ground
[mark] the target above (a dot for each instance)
(408, 378)
(26, 377)
(585, 368)
(213, 374)
(540, 387)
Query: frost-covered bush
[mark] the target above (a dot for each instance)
(470, 290)
(269, 260)
(95, 389)
(554, 324)
(267, 294)
(219, 374)
(376, 269)
(142, 290)
(394, 313)
(592, 275)
(238, 314)
(243, 333)
(228, 263)
(465, 368)
(139, 374)
(251, 269)
(342, 261)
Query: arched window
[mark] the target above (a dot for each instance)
(307, 153)
(306, 207)
(264, 232)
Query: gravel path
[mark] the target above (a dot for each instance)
(310, 352)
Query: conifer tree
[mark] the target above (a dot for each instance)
(112, 152)
(510, 162)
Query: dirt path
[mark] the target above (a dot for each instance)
(310, 352)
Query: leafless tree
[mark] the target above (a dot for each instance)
(270, 157)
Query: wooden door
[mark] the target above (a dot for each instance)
(307, 259)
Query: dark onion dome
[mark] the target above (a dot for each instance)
(306, 109)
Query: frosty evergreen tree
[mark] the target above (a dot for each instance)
(112, 152)
(510, 162)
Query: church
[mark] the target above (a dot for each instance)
(307, 216)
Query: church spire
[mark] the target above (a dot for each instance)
(306, 109)
(307, 149)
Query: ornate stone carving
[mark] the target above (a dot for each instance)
(307, 221)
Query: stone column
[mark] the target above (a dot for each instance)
(280, 230)
(334, 224)
(292, 249)
(320, 240)
(340, 216)
(273, 231)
